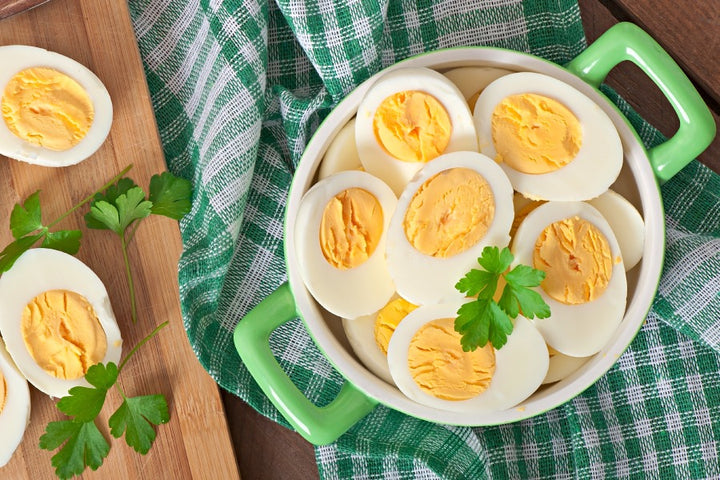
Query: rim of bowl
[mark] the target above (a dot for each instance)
(554, 395)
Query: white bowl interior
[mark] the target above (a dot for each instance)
(636, 182)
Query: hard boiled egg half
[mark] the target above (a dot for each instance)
(55, 111)
(56, 320)
(407, 118)
(370, 335)
(14, 406)
(429, 366)
(585, 284)
(455, 206)
(553, 142)
(340, 233)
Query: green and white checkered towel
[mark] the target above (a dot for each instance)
(238, 89)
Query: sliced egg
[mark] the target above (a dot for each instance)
(472, 80)
(14, 406)
(455, 206)
(55, 111)
(407, 118)
(553, 142)
(562, 365)
(429, 366)
(340, 233)
(370, 335)
(626, 222)
(585, 284)
(341, 154)
(56, 320)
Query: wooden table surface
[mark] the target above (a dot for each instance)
(268, 451)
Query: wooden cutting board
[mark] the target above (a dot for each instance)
(196, 442)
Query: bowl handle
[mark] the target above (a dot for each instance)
(626, 41)
(319, 425)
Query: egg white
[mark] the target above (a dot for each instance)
(520, 365)
(472, 80)
(39, 270)
(341, 154)
(583, 329)
(561, 366)
(597, 163)
(423, 279)
(626, 222)
(375, 159)
(356, 291)
(15, 416)
(360, 332)
(15, 58)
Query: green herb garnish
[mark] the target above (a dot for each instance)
(484, 319)
(82, 443)
(123, 205)
(28, 229)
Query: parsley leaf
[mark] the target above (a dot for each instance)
(134, 418)
(85, 403)
(486, 320)
(84, 446)
(27, 228)
(124, 204)
(67, 241)
(27, 217)
(170, 195)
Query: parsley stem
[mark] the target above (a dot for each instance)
(140, 344)
(85, 200)
(131, 282)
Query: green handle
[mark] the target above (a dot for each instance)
(626, 41)
(319, 425)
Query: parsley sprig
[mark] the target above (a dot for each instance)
(28, 228)
(82, 443)
(121, 206)
(484, 319)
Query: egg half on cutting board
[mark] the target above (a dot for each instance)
(55, 111)
(56, 320)
(14, 406)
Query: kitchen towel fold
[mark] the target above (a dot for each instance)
(239, 87)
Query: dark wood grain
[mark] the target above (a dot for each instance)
(635, 87)
(9, 8)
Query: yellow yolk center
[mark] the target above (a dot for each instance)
(412, 126)
(576, 258)
(535, 134)
(62, 333)
(441, 368)
(3, 391)
(48, 108)
(351, 227)
(449, 213)
(388, 319)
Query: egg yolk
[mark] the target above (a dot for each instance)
(3, 391)
(449, 213)
(441, 368)
(351, 227)
(412, 126)
(535, 134)
(388, 319)
(62, 333)
(47, 108)
(576, 258)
